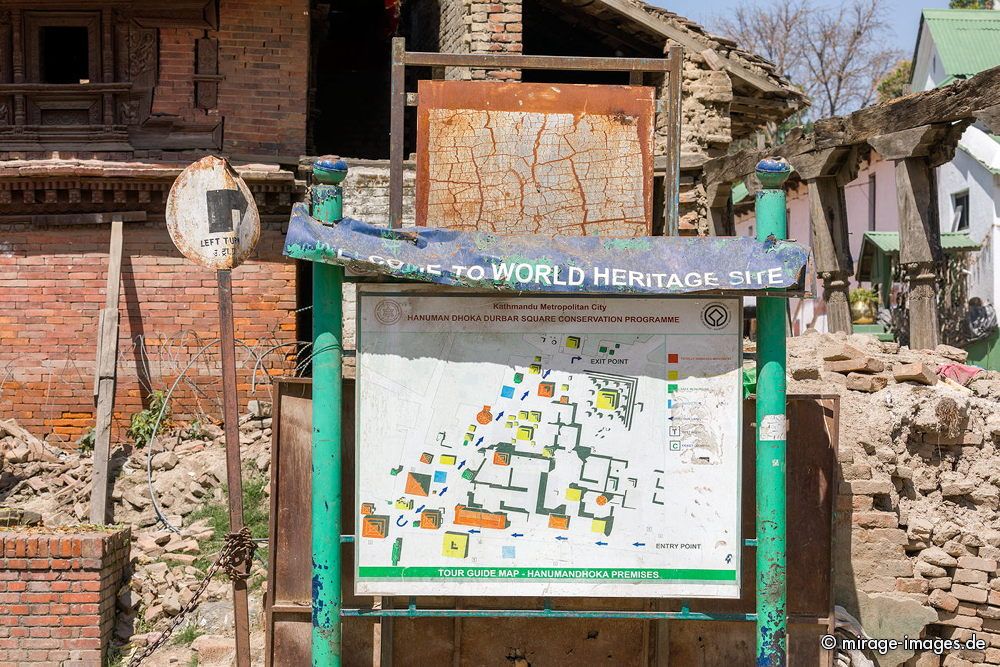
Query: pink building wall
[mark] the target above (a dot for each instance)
(806, 313)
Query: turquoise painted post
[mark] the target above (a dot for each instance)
(772, 604)
(327, 360)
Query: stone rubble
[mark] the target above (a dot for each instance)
(916, 525)
(189, 471)
(916, 517)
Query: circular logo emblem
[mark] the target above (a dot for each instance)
(388, 311)
(715, 315)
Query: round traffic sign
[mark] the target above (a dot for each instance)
(211, 214)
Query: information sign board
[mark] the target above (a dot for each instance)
(547, 445)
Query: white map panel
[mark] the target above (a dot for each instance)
(548, 446)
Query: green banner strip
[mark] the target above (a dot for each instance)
(635, 574)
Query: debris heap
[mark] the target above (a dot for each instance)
(917, 528)
(188, 473)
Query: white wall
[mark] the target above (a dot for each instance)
(967, 173)
(928, 71)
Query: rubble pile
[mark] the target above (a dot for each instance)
(917, 513)
(188, 476)
(917, 527)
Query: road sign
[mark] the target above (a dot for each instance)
(549, 446)
(211, 215)
(214, 222)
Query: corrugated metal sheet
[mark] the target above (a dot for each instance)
(888, 242)
(967, 39)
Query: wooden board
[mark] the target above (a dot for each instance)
(287, 604)
(105, 377)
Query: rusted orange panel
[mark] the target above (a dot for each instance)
(515, 158)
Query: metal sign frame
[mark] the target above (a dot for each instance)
(670, 66)
(770, 617)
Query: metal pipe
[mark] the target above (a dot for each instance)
(413, 612)
(772, 607)
(328, 322)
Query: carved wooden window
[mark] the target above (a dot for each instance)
(82, 73)
(63, 47)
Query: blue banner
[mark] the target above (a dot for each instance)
(579, 264)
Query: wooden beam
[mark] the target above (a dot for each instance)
(828, 219)
(105, 378)
(721, 221)
(913, 142)
(815, 164)
(61, 219)
(919, 247)
(942, 107)
(763, 103)
(661, 27)
(948, 104)
(990, 117)
(919, 235)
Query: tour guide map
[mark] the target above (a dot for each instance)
(548, 446)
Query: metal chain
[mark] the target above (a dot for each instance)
(234, 560)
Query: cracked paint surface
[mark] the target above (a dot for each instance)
(535, 158)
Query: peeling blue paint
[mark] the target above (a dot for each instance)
(579, 264)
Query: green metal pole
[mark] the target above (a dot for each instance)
(772, 604)
(327, 360)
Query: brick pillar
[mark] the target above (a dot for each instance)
(57, 595)
(496, 28)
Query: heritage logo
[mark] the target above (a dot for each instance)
(715, 315)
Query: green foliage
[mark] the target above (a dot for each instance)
(863, 295)
(85, 443)
(115, 657)
(187, 635)
(142, 626)
(140, 427)
(970, 4)
(256, 512)
(896, 82)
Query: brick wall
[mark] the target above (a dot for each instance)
(52, 288)
(57, 596)
(174, 85)
(467, 26)
(452, 38)
(264, 56)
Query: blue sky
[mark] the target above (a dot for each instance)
(905, 14)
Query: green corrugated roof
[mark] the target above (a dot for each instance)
(967, 39)
(888, 242)
(740, 192)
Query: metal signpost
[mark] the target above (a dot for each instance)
(327, 362)
(425, 540)
(772, 593)
(213, 221)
